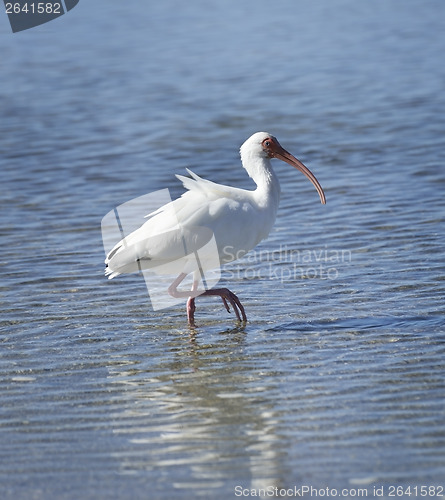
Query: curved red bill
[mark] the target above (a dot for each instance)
(277, 151)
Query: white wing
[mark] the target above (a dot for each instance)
(206, 209)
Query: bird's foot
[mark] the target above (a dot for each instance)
(229, 297)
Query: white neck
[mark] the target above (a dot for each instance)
(268, 186)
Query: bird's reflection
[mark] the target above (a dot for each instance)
(199, 414)
(236, 333)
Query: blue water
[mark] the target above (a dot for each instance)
(337, 380)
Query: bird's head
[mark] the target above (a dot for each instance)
(265, 145)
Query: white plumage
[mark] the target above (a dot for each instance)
(238, 219)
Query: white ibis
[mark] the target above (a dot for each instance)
(237, 218)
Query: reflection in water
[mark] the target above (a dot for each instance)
(205, 418)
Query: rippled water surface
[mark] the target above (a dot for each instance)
(337, 380)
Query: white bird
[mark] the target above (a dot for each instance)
(238, 219)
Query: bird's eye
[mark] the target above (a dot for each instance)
(266, 143)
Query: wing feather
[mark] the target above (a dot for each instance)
(160, 239)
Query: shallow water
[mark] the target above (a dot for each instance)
(337, 380)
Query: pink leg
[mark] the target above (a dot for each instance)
(191, 306)
(226, 295)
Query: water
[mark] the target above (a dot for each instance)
(338, 378)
